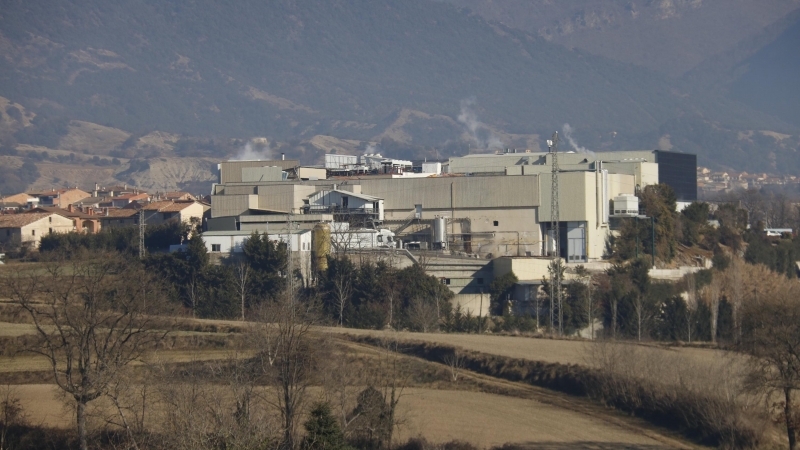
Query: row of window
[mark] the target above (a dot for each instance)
(218, 247)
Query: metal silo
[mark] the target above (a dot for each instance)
(440, 233)
(321, 246)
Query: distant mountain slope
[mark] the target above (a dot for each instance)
(411, 74)
(670, 36)
(288, 68)
(770, 79)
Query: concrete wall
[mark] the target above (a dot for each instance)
(523, 268)
(475, 304)
(233, 242)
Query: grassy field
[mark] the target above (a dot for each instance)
(479, 409)
(487, 420)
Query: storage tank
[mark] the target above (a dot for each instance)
(321, 246)
(440, 233)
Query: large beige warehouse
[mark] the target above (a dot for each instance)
(492, 205)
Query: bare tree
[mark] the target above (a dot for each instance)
(342, 281)
(691, 304)
(89, 320)
(455, 362)
(642, 314)
(422, 314)
(586, 276)
(11, 414)
(193, 291)
(289, 359)
(392, 381)
(734, 288)
(342, 380)
(713, 293)
(771, 336)
(242, 272)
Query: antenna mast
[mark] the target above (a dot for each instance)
(555, 273)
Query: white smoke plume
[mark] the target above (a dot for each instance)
(254, 152)
(371, 150)
(567, 131)
(478, 132)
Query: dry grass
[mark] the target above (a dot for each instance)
(482, 419)
(8, 329)
(487, 420)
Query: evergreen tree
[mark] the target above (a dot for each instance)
(322, 430)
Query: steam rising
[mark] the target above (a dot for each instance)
(254, 152)
(478, 132)
(567, 131)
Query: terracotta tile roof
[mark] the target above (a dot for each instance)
(117, 214)
(168, 206)
(130, 197)
(60, 212)
(20, 220)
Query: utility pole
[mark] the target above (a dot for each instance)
(555, 274)
(141, 233)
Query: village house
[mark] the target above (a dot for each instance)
(189, 211)
(28, 229)
(82, 222)
(124, 199)
(23, 200)
(114, 218)
(59, 197)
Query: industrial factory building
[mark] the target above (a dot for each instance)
(469, 210)
(491, 205)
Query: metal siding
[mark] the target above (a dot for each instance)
(231, 171)
(468, 192)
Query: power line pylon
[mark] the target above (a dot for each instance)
(555, 229)
(141, 233)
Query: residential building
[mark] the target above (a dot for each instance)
(111, 218)
(28, 229)
(59, 197)
(23, 200)
(185, 211)
(124, 199)
(81, 221)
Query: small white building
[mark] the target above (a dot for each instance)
(233, 241)
(28, 229)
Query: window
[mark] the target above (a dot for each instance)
(496, 223)
(216, 247)
(446, 281)
(33, 232)
(51, 231)
(345, 202)
(51, 219)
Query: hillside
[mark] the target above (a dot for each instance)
(671, 36)
(421, 78)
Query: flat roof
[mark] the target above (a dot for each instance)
(248, 233)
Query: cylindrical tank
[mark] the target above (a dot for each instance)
(321, 246)
(440, 232)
